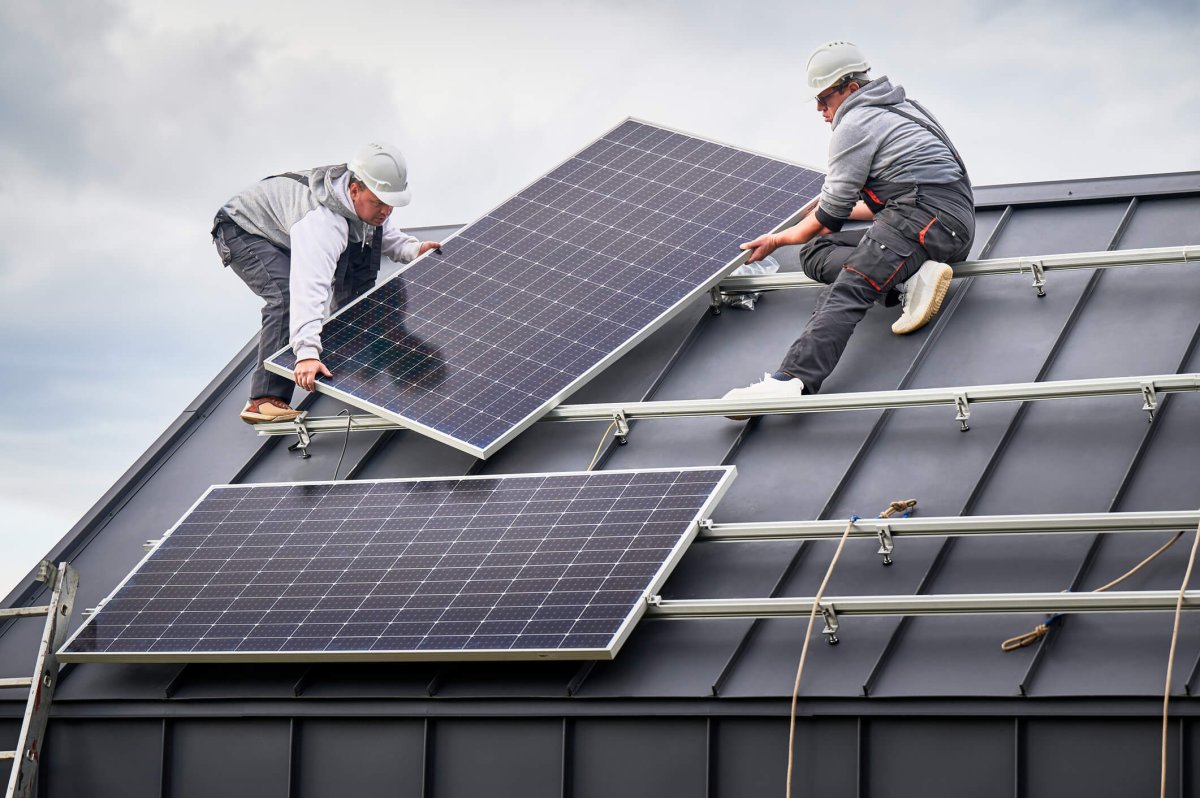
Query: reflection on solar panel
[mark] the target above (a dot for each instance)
(539, 295)
(516, 567)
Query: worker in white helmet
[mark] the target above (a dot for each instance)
(891, 163)
(301, 239)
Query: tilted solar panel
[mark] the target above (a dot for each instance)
(526, 304)
(508, 567)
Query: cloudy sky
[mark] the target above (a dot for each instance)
(125, 124)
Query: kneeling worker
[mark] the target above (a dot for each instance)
(299, 240)
(889, 162)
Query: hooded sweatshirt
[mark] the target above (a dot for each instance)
(872, 144)
(314, 219)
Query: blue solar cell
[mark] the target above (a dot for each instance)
(472, 346)
(482, 564)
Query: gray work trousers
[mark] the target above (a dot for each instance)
(862, 267)
(266, 269)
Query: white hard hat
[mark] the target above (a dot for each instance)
(831, 62)
(382, 168)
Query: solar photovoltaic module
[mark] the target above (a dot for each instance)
(499, 567)
(529, 302)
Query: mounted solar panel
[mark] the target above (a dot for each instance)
(513, 567)
(526, 304)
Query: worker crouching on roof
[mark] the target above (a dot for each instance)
(304, 238)
(891, 163)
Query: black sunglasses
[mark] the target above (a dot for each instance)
(823, 98)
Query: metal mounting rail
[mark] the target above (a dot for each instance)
(834, 608)
(946, 604)
(955, 526)
(1037, 266)
(1147, 387)
(888, 529)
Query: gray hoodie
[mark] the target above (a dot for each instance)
(871, 143)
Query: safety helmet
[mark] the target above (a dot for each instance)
(831, 62)
(382, 169)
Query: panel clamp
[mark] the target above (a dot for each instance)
(714, 300)
(962, 405)
(1151, 400)
(1038, 269)
(885, 543)
(831, 624)
(304, 437)
(621, 427)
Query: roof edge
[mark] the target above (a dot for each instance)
(1087, 189)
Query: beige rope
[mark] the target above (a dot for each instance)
(894, 507)
(1187, 576)
(1042, 629)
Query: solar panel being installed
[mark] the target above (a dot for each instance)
(510, 567)
(534, 299)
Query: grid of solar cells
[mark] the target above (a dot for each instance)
(529, 301)
(445, 568)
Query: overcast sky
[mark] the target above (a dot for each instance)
(125, 124)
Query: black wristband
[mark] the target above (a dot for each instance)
(830, 222)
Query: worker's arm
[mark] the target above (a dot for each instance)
(802, 232)
(861, 212)
(400, 246)
(318, 240)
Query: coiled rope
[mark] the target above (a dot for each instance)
(1042, 629)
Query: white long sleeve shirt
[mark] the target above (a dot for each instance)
(318, 240)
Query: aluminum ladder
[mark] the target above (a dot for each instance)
(63, 582)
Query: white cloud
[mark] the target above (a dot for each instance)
(133, 121)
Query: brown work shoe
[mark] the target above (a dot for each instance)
(267, 408)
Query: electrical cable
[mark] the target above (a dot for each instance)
(600, 446)
(1187, 577)
(904, 508)
(349, 420)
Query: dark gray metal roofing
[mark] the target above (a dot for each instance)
(1080, 455)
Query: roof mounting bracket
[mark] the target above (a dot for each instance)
(885, 543)
(831, 624)
(621, 424)
(714, 300)
(151, 544)
(1038, 269)
(962, 405)
(706, 525)
(1151, 400)
(304, 437)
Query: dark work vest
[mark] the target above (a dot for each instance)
(358, 267)
(954, 198)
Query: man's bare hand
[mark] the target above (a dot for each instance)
(761, 247)
(428, 245)
(306, 372)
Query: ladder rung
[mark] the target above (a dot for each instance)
(23, 612)
(20, 681)
(7, 755)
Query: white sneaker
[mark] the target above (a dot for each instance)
(768, 388)
(923, 298)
